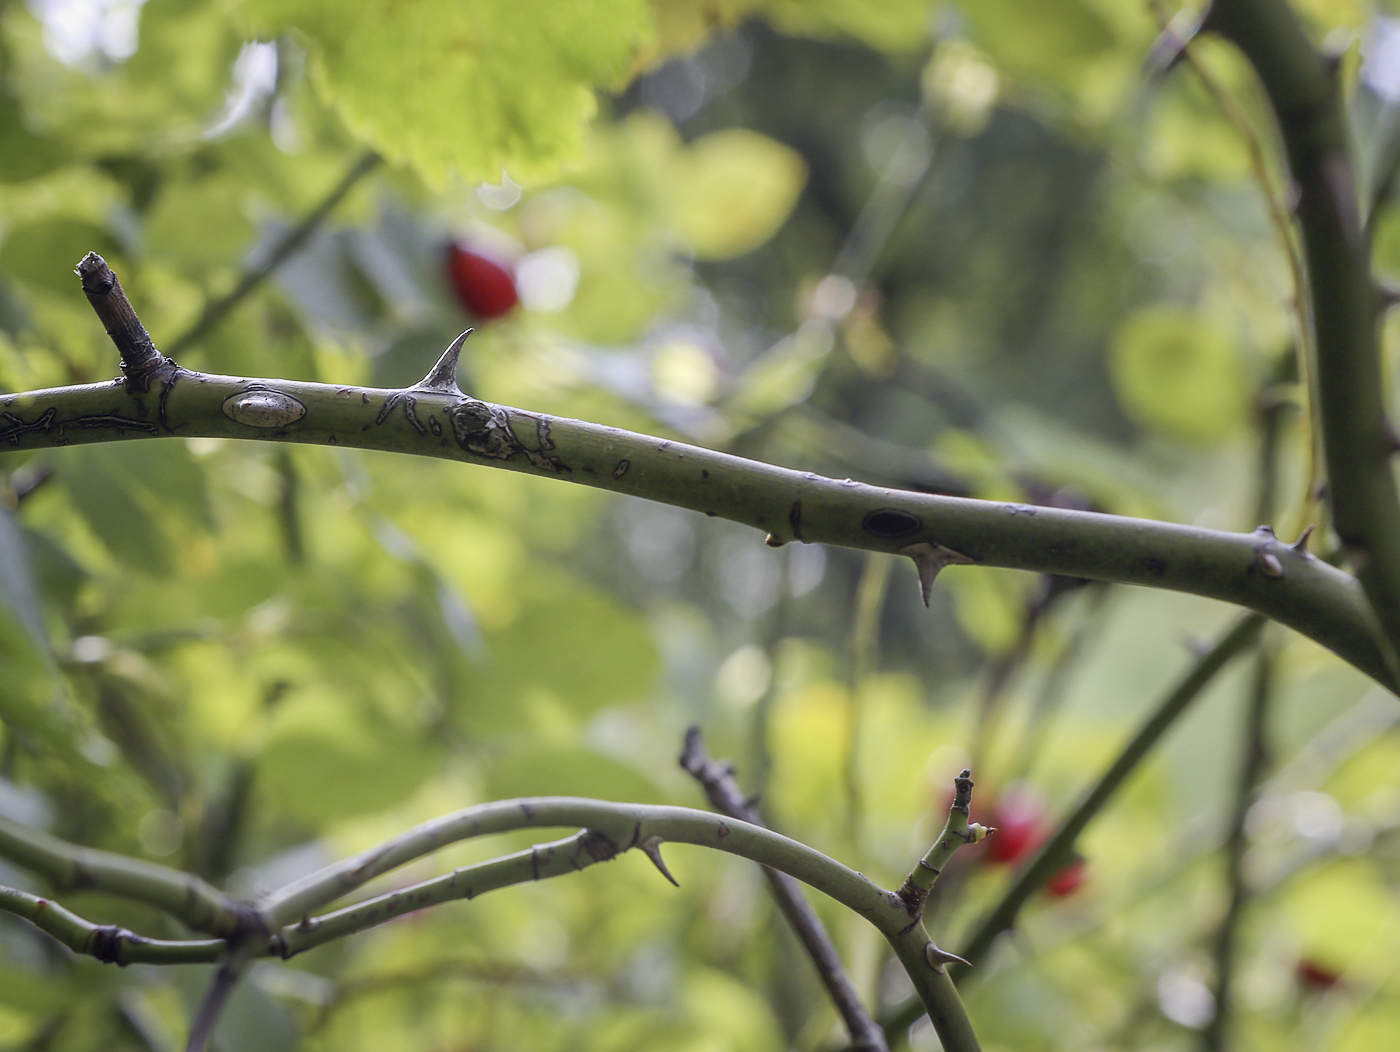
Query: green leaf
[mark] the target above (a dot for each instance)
(574, 648)
(441, 86)
(1048, 42)
(323, 761)
(44, 251)
(19, 594)
(732, 189)
(1177, 374)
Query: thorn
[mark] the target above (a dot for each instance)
(1387, 295)
(1267, 531)
(929, 558)
(443, 376)
(651, 847)
(938, 958)
(1301, 544)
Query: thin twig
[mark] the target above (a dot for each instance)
(723, 791)
(232, 966)
(1281, 221)
(292, 240)
(1058, 850)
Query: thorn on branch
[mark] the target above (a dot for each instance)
(442, 377)
(140, 359)
(938, 958)
(651, 847)
(1301, 544)
(929, 558)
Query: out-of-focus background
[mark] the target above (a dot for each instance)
(987, 249)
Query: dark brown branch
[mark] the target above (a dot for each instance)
(717, 780)
(139, 355)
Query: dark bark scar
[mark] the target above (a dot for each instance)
(486, 430)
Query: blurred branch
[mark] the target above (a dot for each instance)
(106, 942)
(1253, 758)
(215, 311)
(201, 906)
(723, 791)
(233, 963)
(1059, 849)
(1306, 94)
(1275, 201)
(871, 591)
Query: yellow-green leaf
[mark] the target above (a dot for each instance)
(476, 87)
(732, 191)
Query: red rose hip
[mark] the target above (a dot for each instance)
(484, 286)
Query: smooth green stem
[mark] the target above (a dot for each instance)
(197, 904)
(1252, 570)
(1059, 849)
(1308, 100)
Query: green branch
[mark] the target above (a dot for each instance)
(68, 867)
(105, 942)
(957, 831)
(1307, 98)
(607, 830)
(434, 418)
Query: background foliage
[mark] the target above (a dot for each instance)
(967, 248)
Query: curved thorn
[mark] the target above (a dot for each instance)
(443, 375)
(651, 847)
(929, 558)
(938, 958)
(1301, 544)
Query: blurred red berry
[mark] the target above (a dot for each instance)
(1019, 819)
(1068, 880)
(484, 286)
(1314, 976)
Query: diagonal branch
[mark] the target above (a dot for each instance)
(215, 311)
(717, 780)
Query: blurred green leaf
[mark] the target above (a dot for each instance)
(1179, 374)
